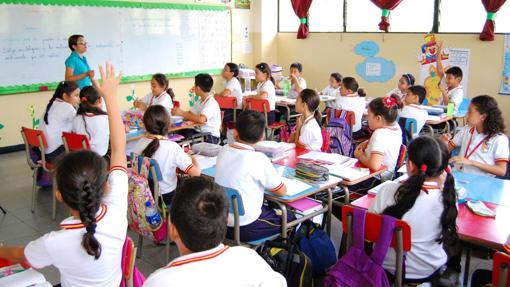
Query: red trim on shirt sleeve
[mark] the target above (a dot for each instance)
(377, 152)
(501, 159)
(276, 188)
(187, 170)
(452, 144)
(118, 167)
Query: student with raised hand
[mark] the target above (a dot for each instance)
(87, 250)
(198, 223)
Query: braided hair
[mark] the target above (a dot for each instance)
(81, 177)
(157, 122)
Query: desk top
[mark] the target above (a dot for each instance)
(435, 120)
(484, 231)
(484, 188)
(138, 134)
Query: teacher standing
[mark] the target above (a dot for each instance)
(77, 68)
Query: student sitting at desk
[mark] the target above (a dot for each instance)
(265, 89)
(232, 89)
(298, 83)
(422, 196)
(308, 133)
(250, 172)
(383, 147)
(206, 111)
(406, 81)
(333, 89)
(483, 143)
(198, 223)
(167, 153)
(412, 107)
(161, 94)
(352, 98)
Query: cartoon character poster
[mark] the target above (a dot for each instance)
(428, 69)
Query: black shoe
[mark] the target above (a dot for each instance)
(449, 278)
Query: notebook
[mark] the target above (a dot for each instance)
(305, 205)
(295, 186)
(206, 162)
(274, 149)
(29, 277)
(348, 173)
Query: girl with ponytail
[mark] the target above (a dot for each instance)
(428, 193)
(58, 117)
(87, 250)
(308, 133)
(167, 153)
(92, 121)
(161, 94)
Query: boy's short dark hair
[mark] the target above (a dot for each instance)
(250, 126)
(455, 71)
(199, 212)
(298, 66)
(419, 91)
(204, 81)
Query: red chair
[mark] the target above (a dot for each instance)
(401, 160)
(128, 261)
(401, 240)
(227, 103)
(500, 274)
(262, 106)
(35, 138)
(75, 142)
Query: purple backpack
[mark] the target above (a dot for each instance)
(356, 268)
(339, 133)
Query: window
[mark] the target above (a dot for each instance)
(469, 19)
(409, 16)
(324, 16)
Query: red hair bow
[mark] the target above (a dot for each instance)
(83, 100)
(389, 102)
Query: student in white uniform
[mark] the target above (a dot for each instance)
(161, 94)
(333, 89)
(308, 133)
(265, 89)
(296, 79)
(383, 147)
(87, 250)
(198, 223)
(58, 117)
(250, 172)
(206, 111)
(232, 89)
(413, 107)
(91, 120)
(352, 98)
(405, 81)
(422, 196)
(453, 91)
(168, 154)
(483, 143)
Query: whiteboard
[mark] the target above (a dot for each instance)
(139, 41)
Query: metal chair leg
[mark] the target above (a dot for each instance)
(140, 243)
(3, 210)
(54, 201)
(34, 189)
(168, 240)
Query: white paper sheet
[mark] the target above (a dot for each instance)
(331, 158)
(206, 162)
(294, 186)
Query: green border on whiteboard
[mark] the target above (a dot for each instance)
(9, 90)
(18, 89)
(118, 4)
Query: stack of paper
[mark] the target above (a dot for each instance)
(274, 149)
(206, 162)
(348, 173)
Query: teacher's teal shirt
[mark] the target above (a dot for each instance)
(80, 66)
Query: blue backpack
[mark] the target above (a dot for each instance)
(317, 245)
(340, 132)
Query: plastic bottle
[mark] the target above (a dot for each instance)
(152, 215)
(286, 87)
(450, 109)
(247, 84)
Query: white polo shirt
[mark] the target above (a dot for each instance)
(355, 104)
(415, 112)
(163, 99)
(222, 266)
(426, 254)
(456, 95)
(60, 119)
(95, 127)
(386, 141)
(479, 148)
(249, 172)
(310, 135)
(169, 157)
(63, 248)
(293, 93)
(234, 87)
(268, 87)
(397, 92)
(330, 91)
(211, 110)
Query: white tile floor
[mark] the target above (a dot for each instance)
(19, 226)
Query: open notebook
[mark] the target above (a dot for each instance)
(28, 277)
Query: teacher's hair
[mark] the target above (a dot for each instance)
(73, 41)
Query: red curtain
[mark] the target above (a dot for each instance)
(386, 6)
(491, 6)
(301, 8)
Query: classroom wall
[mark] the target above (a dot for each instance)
(323, 53)
(15, 108)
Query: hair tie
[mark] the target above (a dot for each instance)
(91, 228)
(83, 100)
(448, 169)
(423, 167)
(389, 102)
(159, 137)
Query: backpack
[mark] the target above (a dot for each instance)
(356, 268)
(317, 245)
(326, 137)
(138, 194)
(285, 258)
(339, 132)
(286, 131)
(127, 261)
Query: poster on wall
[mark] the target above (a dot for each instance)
(242, 4)
(373, 69)
(450, 57)
(505, 83)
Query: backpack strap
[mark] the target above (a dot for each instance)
(358, 228)
(134, 163)
(384, 241)
(145, 166)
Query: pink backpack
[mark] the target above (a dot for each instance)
(356, 268)
(128, 266)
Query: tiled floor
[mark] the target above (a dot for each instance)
(20, 225)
